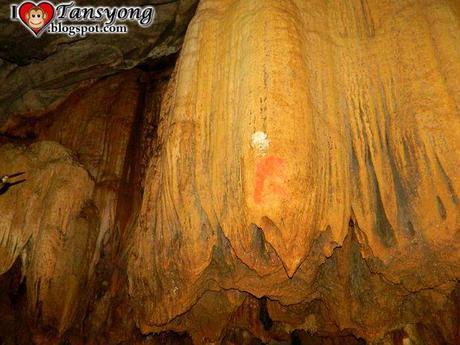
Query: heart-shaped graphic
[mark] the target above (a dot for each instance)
(36, 17)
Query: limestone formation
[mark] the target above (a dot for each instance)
(358, 103)
(290, 179)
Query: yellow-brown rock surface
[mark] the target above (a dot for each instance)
(52, 232)
(288, 126)
(300, 185)
(72, 203)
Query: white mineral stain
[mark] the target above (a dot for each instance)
(260, 142)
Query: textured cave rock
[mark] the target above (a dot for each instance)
(37, 75)
(293, 180)
(49, 221)
(66, 223)
(351, 199)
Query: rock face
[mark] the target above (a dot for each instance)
(37, 75)
(66, 222)
(308, 153)
(53, 233)
(293, 181)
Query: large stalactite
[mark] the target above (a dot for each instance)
(292, 180)
(308, 151)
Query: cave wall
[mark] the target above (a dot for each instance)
(292, 181)
(37, 75)
(68, 221)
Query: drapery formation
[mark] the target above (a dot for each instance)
(301, 180)
(288, 126)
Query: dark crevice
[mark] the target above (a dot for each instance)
(166, 338)
(264, 316)
(301, 337)
(14, 329)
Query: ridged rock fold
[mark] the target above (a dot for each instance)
(288, 126)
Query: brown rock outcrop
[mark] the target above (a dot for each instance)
(36, 75)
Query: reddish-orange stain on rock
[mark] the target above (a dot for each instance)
(268, 167)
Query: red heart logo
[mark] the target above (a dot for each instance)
(36, 17)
